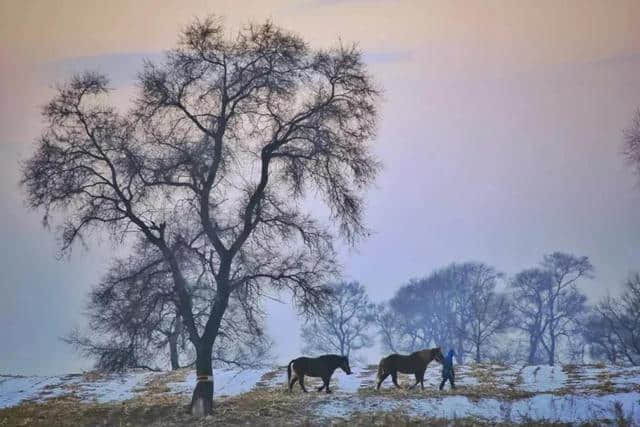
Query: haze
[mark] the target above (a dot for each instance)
(500, 134)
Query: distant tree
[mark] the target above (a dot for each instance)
(565, 303)
(528, 287)
(490, 312)
(228, 135)
(454, 307)
(390, 329)
(632, 143)
(342, 325)
(613, 328)
(420, 314)
(549, 304)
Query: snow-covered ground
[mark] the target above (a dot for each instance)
(108, 388)
(490, 393)
(542, 378)
(543, 407)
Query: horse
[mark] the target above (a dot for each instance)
(415, 363)
(322, 367)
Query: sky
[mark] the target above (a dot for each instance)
(501, 134)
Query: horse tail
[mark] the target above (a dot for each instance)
(289, 371)
(381, 368)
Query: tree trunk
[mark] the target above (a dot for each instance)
(460, 352)
(478, 352)
(533, 349)
(173, 344)
(173, 353)
(202, 400)
(552, 349)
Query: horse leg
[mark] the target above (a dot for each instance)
(394, 378)
(302, 383)
(293, 381)
(321, 387)
(422, 380)
(417, 381)
(326, 384)
(384, 377)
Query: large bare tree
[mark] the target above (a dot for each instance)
(228, 138)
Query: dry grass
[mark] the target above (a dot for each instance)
(272, 405)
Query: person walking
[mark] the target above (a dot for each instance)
(447, 370)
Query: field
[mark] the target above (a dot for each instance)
(486, 394)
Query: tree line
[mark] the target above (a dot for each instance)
(538, 316)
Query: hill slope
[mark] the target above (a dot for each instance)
(490, 394)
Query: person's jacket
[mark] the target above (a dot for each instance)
(447, 365)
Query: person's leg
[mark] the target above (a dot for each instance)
(442, 383)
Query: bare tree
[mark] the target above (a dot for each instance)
(613, 330)
(390, 329)
(632, 143)
(418, 316)
(549, 304)
(490, 311)
(455, 307)
(226, 138)
(132, 319)
(565, 303)
(342, 325)
(528, 288)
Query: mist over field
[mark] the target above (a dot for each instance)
(212, 187)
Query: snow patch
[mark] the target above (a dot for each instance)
(542, 378)
(227, 382)
(115, 387)
(546, 407)
(14, 390)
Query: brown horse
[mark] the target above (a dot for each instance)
(415, 363)
(322, 367)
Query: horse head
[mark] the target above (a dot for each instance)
(344, 365)
(437, 355)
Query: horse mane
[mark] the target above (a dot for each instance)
(428, 354)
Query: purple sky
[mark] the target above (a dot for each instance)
(500, 134)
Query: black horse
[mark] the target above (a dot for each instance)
(322, 367)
